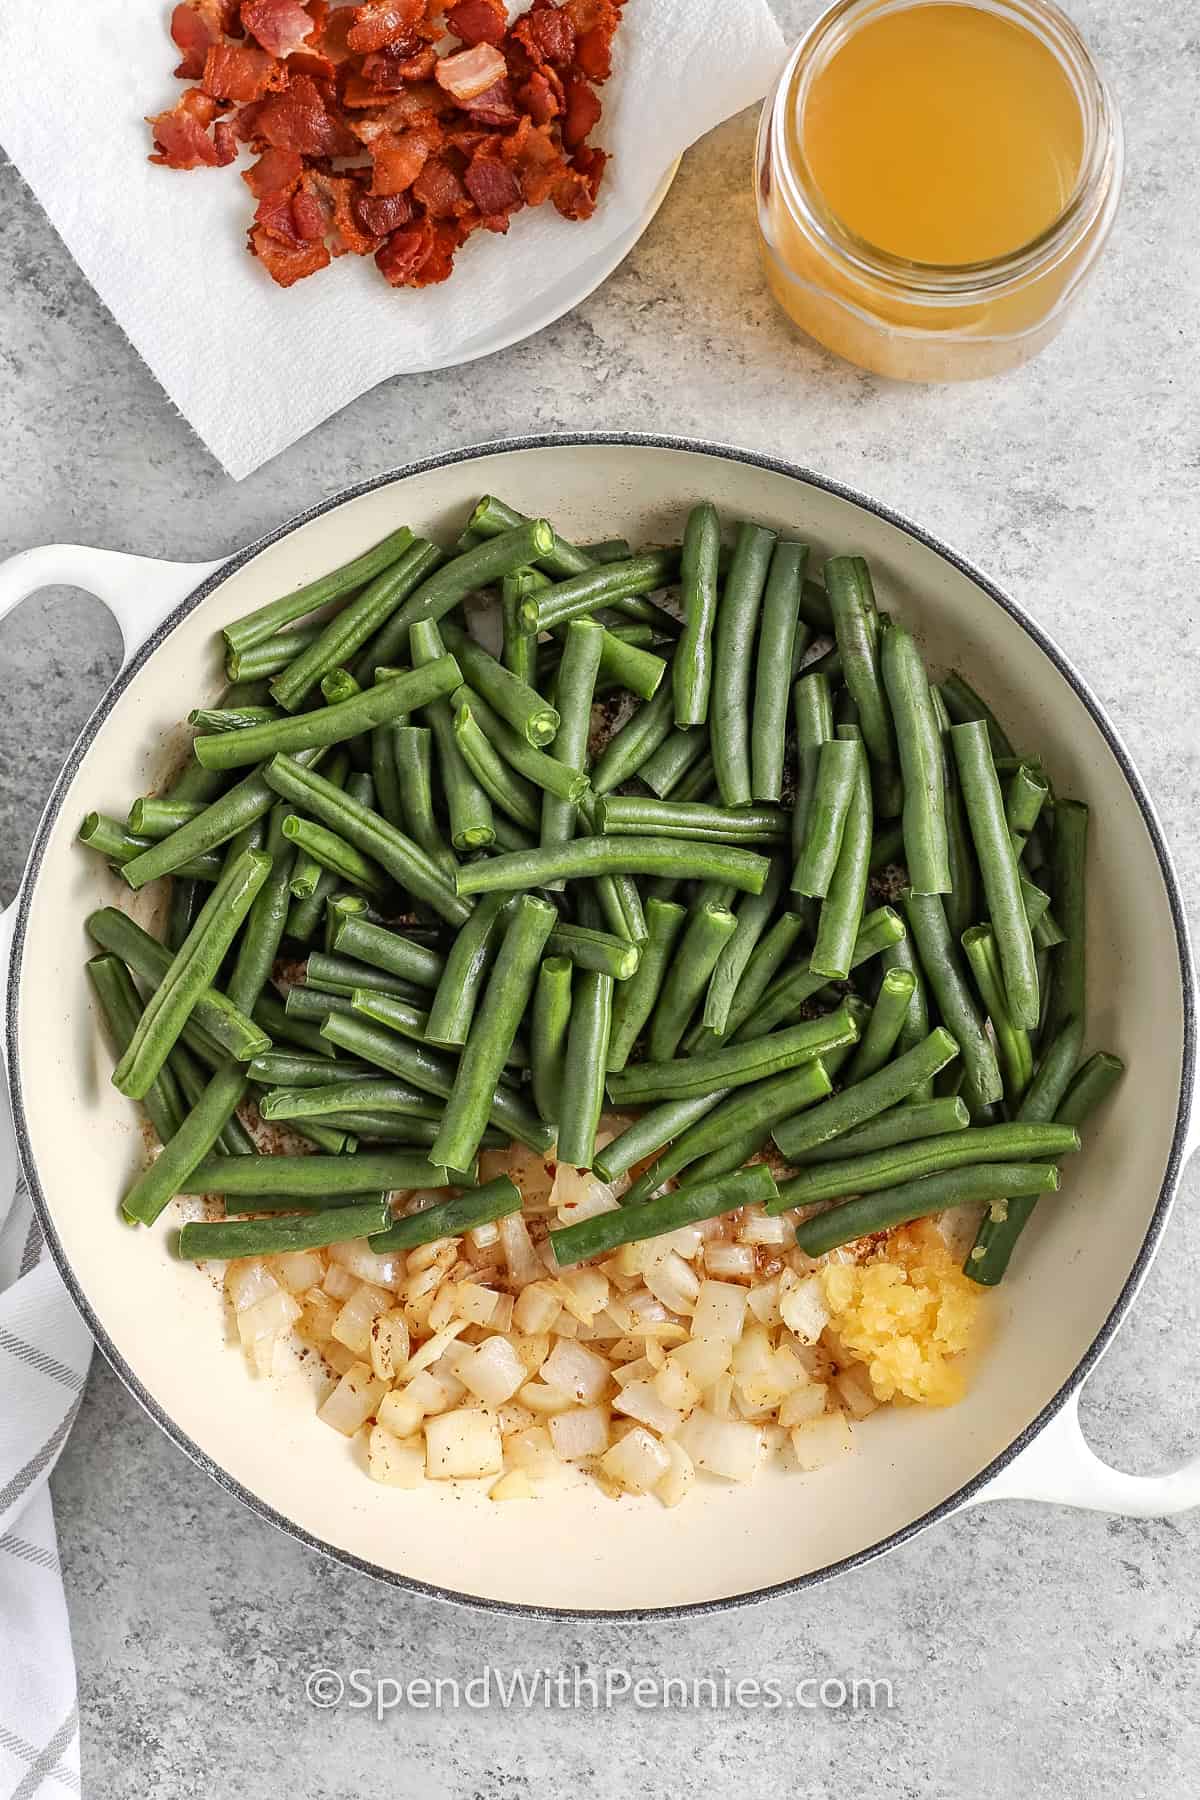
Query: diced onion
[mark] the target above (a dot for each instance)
(394, 1463)
(353, 1400)
(639, 1400)
(720, 1311)
(579, 1370)
(463, 1444)
(802, 1305)
(637, 1462)
(726, 1447)
(493, 1372)
(822, 1440)
(580, 1431)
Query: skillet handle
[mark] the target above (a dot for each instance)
(1059, 1467)
(139, 591)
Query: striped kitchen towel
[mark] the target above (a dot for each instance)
(44, 1355)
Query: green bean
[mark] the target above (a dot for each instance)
(156, 819)
(241, 806)
(1068, 996)
(699, 783)
(919, 740)
(315, 1006)
(964, 705)
(534, 766)
(412, 758)
(271, 1015)
(589, 857)
(122, 1008)
(379, 705)
(775, 660)
(265, 923)
(223, 1240)
(385, 776)
(349, 630)
(470, 957)
(708, 930)
(857, 624)
(737, 620)
(761, 971)
(548, 1039)
(1024, 797)
(519, 647)
(814, 606)
(800, 983)
(812, 715)
(451, 1218)
(827, 812)
(110, 839)
(609, 584)
(926, 919)
(364, 1093)
(290, 1069)
(962, 902)
(481, 567)
(998, 868)
(471, 823)
(648, 726)
(918, 1199)
(627, 663)
(691, 673)
(625, 815)
(867, 1174)
(389, 950)
(842, 909)
(753, 916)
(245, 1176)
(1092, 1085)
(272, 655)
(430, 1069)
(519, 705)
(173, 1169)
(915, 1029)
(493, 516)
(656, 1126)
(678, 752)
(635, 998)
(332, 852)
(581, 1092)
(187, 978)
(577, 674)
(749, 1112)
(903, 1124)
(232, 1138)
(265, 621)
(600, 951)
(187, 897)
(403, 860)
(888, 1017)
(394, 1128)
(887, 847)
(1013, 1046)
(687, 1205)
(330, 974)
(509, 990)
(231, 718)
(504, 787)
(854, 1105)
(997, 1236)
(735, 1065)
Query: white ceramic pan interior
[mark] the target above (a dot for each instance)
(161, 1322)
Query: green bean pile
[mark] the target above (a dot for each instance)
(415, 913)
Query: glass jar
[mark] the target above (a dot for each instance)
(924, 321)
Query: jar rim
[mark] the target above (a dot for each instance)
(1099, 171)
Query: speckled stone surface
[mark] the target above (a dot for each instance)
(1032, 1651)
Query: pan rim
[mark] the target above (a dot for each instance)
(959, 1497)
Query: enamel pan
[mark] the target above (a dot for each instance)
(161, 1323)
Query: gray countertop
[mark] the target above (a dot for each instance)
(1032, 1651)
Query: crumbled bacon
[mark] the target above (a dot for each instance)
(469, 73)
(280, 26)
(457, 142)
(478, 21)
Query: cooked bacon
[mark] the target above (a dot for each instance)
(495, 106)
(381, 215)
(238, 72)
(299, 119)
(280, 26)
(583, 110)
(382, 22)
(181, 136)
(470, 73)
(542, 96)
(396, 161)
(456, 142)
(440, 191)
(547, 34)
(275, 172)
(287, 263)
(494, 189)
(194, 37)
(478, 21)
